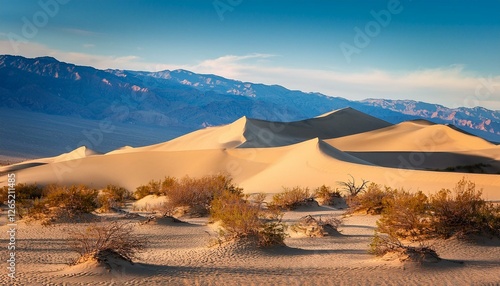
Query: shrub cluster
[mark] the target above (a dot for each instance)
(47, 204)
(459, 213)
(240, 218)
(195, 194)
(63, 202)
(25, 196)
(290, 199)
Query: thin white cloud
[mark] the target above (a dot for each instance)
(88, 46)
(451, 86)
(80, 32)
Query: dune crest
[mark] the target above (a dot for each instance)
(263, 156)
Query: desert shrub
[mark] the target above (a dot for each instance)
(372, 201)
(272, 232)
(152, 188)
(463, 212)
(241, 219)
(351, 188)
(25, 195)
(106, 237)
(290, 199)
(325, 195)
(236, 214)
(313, 227)
(405, 215)
(168, 184)
(198, 193)
(112, 196)
(381, 245)
(259, 199)
(62, 201)
(445, 214)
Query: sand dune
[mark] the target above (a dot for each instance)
(254, 133)
(420, 135)
(264, 156)
(388, 155)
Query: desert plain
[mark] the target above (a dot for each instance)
(263, 157)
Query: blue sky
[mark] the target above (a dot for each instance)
(437, 51)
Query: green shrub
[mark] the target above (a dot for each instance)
(324, 195)
(290, 199)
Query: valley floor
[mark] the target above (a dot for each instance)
(180, 254)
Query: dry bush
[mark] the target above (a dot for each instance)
(241, 219)
(106, 237)
(290, 199)
(351, 188)
(63, 202)
(373, 200)
(111, 197)
(25, 196)
(443, 215)
(197, 193)
(382, 245)
(463, 212)
(152, 188)
(312, 227)
(405, 215)
(325, 195)
(237, 215)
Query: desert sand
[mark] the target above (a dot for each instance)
(264, 156)
(185, 254)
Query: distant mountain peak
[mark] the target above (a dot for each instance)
(185, 99)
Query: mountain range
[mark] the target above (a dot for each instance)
(179, 100)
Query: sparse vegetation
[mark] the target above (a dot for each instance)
(351, 188)
(63, 202)
(111, 197)
(197, 193)
(241, 219)
(443, 215)
(406, 215)
(106, 238)
(325, 195)
(292, 198)
(463, 212)
(312, 227)
(152, 188)
(373, 200)
(25, 196)
(382, 245)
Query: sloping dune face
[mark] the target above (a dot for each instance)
(412, 136)
(342, 122)
(264, 156)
